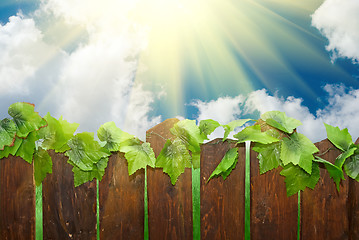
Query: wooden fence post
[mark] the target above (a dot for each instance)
(353, 207)
(169, 207)
(68, 212)
(222, 201)
(121, 201)
(17, 199)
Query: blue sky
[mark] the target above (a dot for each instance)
(140, 62)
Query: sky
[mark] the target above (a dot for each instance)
(140, 62)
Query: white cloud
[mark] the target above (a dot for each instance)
(338, 21)
(342, 110)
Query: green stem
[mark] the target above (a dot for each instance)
(247, 194)
(196, 203)
(146, 235)
(299, 218)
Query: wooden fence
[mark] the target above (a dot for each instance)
(70, 213)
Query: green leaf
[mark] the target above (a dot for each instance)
(174, 158)
(254, 134)
(268, 156)
(57, 133)
(25, 118)
(189, 133)
(335, 172)
(299, 150)
(206, 127)
(85, 151)
(138, 155)
(340, 138)
(11, 149)
(297, 179)
(98, 170)
(227, 164)
(113, 136)
(7, 133)
(340, 160)
(196, 160)
(42, 165)
(280, 121)
(229, 127)
(27, 147)
(351, 166)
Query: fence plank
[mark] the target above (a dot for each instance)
(169, 207)
(17, 199)
(354, 208)
(68, 212)
(121, 201)
(274, 215)
(222, 201)
(324, 210)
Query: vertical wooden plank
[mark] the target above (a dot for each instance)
(353, 210)
(169, 207)
(17, 199)
(222, 201)
(121, 201)
(325, 211)
(273, 214)
(68, 212)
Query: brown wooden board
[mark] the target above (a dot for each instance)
(169, 207)
(324, 211)
(274, 215)
(222, 201)
(17, 199)
(353, 209)
(68, 212)
(121, 201)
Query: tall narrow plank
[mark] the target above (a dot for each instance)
(68, 212)
(121, 201)
(325, 211)
(353, 209)
(17, 199)
(222, 201)
(274, 215)
(169, 207)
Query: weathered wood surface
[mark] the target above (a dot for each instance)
(169, 207)
(222, 201)
(324, 211)
(68, 212)
(121, 201)
(273, 214)
(17, 199)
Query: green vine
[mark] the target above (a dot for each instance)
(28, 135)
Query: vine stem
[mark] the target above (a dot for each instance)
(326, 151)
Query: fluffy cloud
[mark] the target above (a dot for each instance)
(338, 21)
(342, 110)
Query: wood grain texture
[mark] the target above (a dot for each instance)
(169, 207)
(68, 212)
(222, 201)
(17, 199)
(325, 211)
(353, 209)
(121, 201)
(273, 214)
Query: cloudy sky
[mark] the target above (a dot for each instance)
(140, 62)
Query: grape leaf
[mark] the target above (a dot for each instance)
(227, 164)
(42, 165)
(298, 149)
(340, 138)
(297, 179)
(25, 118)
(98, 170)
(280, 121)
(206, 127)
(11, 149)
(27, 147)
(254, 134)
(189, 133)
(113, 136)
(334, 171)
(351, 166)
(174, 158)
(138, 155)
(85, 151)
(340, 160)
(229, 127)
(7, 133)
(57, 133)
(268, 156)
